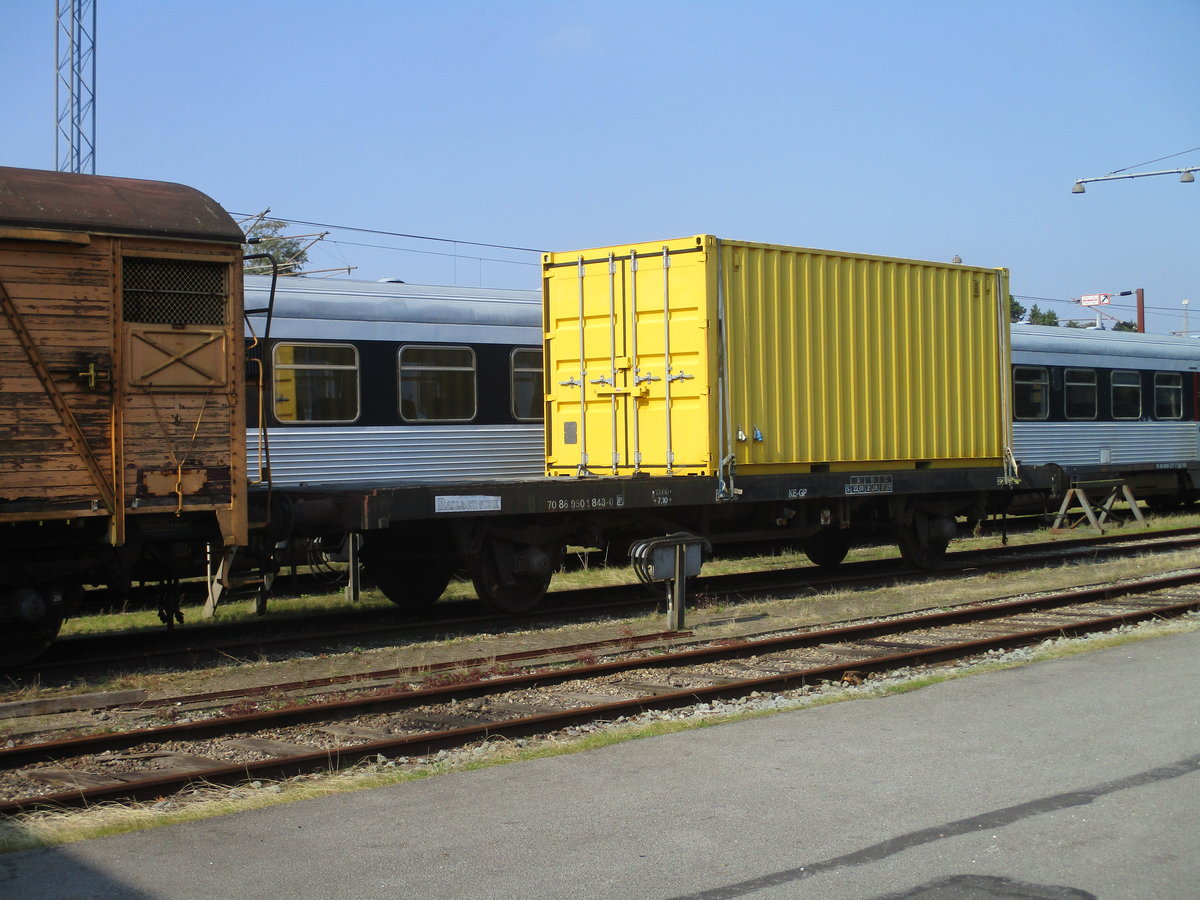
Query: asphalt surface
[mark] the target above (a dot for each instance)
(1071, 778)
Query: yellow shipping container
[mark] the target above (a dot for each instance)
(702, 356)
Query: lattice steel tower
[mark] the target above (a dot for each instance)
(75, 87)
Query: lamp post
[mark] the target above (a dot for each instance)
(1186, 176)
(1185, 312)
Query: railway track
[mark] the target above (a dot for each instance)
(72, 658)
(403, 718)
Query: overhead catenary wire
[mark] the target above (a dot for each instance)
(511, 262)
(399, 234)
(1149, 161)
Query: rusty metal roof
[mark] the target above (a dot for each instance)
(100, 204)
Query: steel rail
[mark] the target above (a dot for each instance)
(1184, 537)
(430, 742)
(355, 679)
(25, 754)
(203, 641)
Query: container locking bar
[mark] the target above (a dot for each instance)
(583, 447)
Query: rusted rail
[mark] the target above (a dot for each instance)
(425, 743)
(189, 645)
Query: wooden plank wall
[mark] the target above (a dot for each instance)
(64, 295)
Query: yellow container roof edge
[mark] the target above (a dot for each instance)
(701, 241)
(643, 248)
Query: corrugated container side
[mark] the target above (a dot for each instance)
(844, 359)
(669, 357)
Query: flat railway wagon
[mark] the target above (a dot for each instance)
(744, 392)
(762, 366)
(1095, 406)
(122, 419)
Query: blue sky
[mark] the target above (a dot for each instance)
(916, 129)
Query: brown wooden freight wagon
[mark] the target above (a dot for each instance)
(122, 420)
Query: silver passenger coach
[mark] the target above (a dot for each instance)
(385, 382)
(1104, 404)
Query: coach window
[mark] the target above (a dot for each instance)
(1126, 395)
(1080, 393)
(437, 384)
(1031, 393)
(315, 382)
(1168, 395)
(526, 365)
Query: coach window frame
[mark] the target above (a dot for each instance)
(276, 366)
(1175, 391)
(1024, 396)
(1071, 380)
(538, 383)
(1134, 389)
(437, 348)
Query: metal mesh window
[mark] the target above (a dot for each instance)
(173, 291)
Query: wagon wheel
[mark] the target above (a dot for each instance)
(416, 585)
(927, 555)
(24, 642)
(828, 547)
(409, 570)
(505, 579)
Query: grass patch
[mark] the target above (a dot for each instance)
(603, 575)
(231, 611)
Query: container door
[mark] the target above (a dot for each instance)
(627, 363)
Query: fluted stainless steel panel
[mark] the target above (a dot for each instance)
(397, 454)
(1093, 443)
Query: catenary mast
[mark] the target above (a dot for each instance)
(75, 85)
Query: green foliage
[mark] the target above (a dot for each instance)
(1034, 315)
(1125, 326)
(1042, 317)
(291, 253)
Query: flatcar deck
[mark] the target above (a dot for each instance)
(366, 507)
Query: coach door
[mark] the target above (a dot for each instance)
(625, 365)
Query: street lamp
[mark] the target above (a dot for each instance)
(1185, 176)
